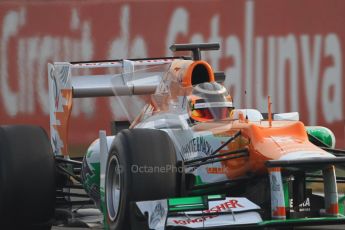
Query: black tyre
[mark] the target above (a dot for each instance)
(27, 178)
(131, 151)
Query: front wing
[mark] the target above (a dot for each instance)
(221, 213)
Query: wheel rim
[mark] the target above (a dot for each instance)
(113, 188)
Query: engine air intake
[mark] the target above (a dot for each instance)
(198, 72)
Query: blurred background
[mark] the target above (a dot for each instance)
(292, 50)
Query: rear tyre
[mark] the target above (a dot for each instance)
(128, 177)
(27, 177)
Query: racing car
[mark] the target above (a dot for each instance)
(189, 158)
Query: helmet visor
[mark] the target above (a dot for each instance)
(212, 113)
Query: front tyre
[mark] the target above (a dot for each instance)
(27, 178)
(129, 177)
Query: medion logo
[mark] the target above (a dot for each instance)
(195, 146)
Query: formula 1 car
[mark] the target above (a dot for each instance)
(188, 159)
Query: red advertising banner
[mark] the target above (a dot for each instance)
(292, 50)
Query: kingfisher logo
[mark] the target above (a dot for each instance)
(228, 205)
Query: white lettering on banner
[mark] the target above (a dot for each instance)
(234, 73)
(120, 47)
(319, 67)
(287, 55)
(271, 71)
(178, 25)
(259, 86)
(259, 64)
(11, 24)
(260, 96)
(311, 63)
(332, 107)
(248, 37)
(215, 56)
(33, 54)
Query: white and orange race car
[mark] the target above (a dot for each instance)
(189, 158)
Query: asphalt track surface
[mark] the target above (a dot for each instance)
(326, 227)
(93, 219)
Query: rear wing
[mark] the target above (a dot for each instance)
(68, 80)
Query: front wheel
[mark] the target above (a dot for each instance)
(27, 178)
(131, 175)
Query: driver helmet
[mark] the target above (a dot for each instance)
(209, 101)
